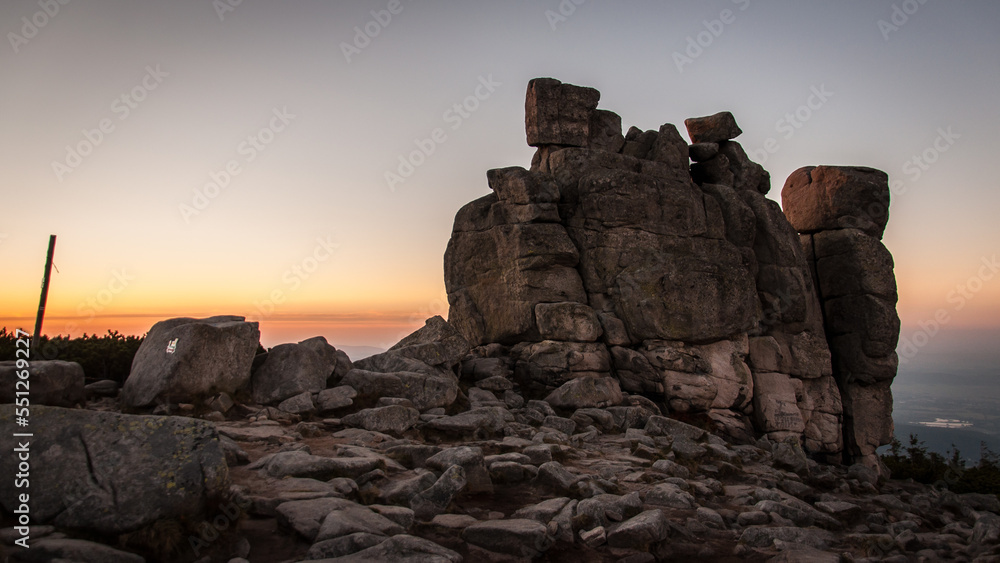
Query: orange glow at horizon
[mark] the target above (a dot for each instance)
(349, 312)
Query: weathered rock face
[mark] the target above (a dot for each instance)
(615, 257)
(185, 360)
(111, 473)
(437, 343)
(288, 370)
(841, 213)
(54, 383)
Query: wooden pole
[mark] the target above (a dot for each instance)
(45, 293)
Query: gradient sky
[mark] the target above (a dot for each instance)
(315, 196)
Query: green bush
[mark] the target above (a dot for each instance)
(102, 357)
(915, 462)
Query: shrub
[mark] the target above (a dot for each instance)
(102, 357)
(933, 468)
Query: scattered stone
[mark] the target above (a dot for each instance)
(353, 519)
(343, 545)
(481, 422)
(394, 419)
(554, 476)
(335, 398)
(302, 464)
(77, 551)
(758, 536)
(306, 516)
(639, 532)
(669, 495)
(298, 404)
(594, 537)
(403, 548)
(517, 537)
(433, 501)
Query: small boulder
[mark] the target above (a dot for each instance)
(54, 383)
(586, 392)
(355, 518)
(639, 532)
(335, 398)
(433, 501)
(713, 128)
(298, 404)
(302, 464)
(517, 537)
(393, 419)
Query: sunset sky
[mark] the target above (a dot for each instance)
(117, 116)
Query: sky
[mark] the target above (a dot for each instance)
(237, 156)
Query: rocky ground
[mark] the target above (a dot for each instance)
(502, 482)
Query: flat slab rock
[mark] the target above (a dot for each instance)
(251, 433)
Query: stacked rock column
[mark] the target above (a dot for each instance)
(841, 213)
(795, 396)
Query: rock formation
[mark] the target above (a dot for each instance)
(841, 213)
(617, 262)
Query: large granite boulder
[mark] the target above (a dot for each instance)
(113, 473)
(557, 113)
(186, 360)
(337, 360)
(824, 198)
(289, 370)
(437, 343)
(52, 382)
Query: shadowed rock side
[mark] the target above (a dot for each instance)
(617, 259)
(842, 212)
